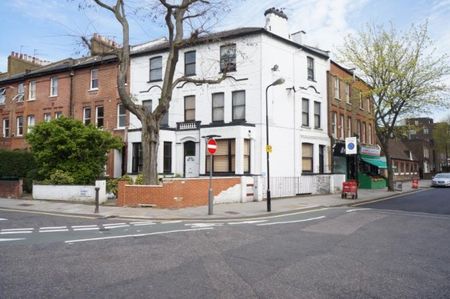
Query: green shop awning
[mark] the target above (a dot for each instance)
(379, 162)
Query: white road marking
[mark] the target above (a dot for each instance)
(3, 219)
(113, 224)
(247, 222)
(136, 235)
(116, 226)
(52, 227)
(16, 229)
(11, 239)
(54, 230)
(203, 224)
(171, 221)
(292, 221)
(354, 210)
(81, 226)
(16, 232)
(141, 223)
(85, 228)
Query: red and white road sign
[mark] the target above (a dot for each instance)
(212, 146)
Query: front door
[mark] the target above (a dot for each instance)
(189, 151)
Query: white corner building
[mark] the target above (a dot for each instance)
(235, 109)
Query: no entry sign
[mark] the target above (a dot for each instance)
(212, 146)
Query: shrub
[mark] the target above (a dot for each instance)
(139, 180)
(112, 185)
(68, 145)
(60, 177)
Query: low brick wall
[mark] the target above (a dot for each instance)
(177, 193)
(11, 188)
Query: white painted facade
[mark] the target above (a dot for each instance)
(256, 56)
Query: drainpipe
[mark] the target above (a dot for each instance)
(71, 108)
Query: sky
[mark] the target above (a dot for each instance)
(51, 29)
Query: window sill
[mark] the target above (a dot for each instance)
(337, 99)
(348, 103)
(53, 96)
(190, 75)
(31, 100)
(362, 109)
(318, 129)
(119, 129)
(306, 127)
(93, 89)
(312, 80)
(230, 71)
(153, 81)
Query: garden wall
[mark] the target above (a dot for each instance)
(70, 192)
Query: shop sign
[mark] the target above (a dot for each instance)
(370, 150)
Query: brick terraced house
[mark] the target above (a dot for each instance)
(83, 88)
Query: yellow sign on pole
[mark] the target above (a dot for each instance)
(268, 148)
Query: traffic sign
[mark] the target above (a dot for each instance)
(212, 146)
(268, 148)
(351, 147)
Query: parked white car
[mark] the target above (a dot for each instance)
(441, 180)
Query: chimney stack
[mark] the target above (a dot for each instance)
(299, 37)
(277, 22)
(101, 45)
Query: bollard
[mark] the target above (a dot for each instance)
(96, 199)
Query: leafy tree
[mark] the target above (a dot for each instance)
(441, 138)
(194, 14)
(404, 72)
(66, 146)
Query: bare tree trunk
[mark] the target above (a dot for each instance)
(150, 144)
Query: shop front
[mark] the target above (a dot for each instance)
(371, 167)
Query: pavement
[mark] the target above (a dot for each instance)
(221, 211)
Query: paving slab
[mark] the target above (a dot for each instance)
(221, 211)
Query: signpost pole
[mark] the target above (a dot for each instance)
(210, 192)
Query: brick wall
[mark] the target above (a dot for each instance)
(11, 188)
(175, 193)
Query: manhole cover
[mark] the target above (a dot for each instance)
(25, 204)
(232, 212)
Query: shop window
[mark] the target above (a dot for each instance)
(224, 158)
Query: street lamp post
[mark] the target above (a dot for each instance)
(276, 82)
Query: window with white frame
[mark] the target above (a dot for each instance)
(58, 114)
(349, 127)
(317, 115)
(2, 95)
(6, 127)
(310, 68)
(189, 63)
(99, 116)
(228, 58)
(334, 124)
(86, 115)
(19, 126)
(94, 79)
(20, 92)
(337, 90)
(121, 116)
(31, 121)
(47, 117)
(218, 107)
(341, 126)
(307, 157)
(189, 108)
(305, 112)
(347, 93)
(238, 101)
(53, 86)
(361, 101)
(32, 91)
(156, 69)
(363, 132)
